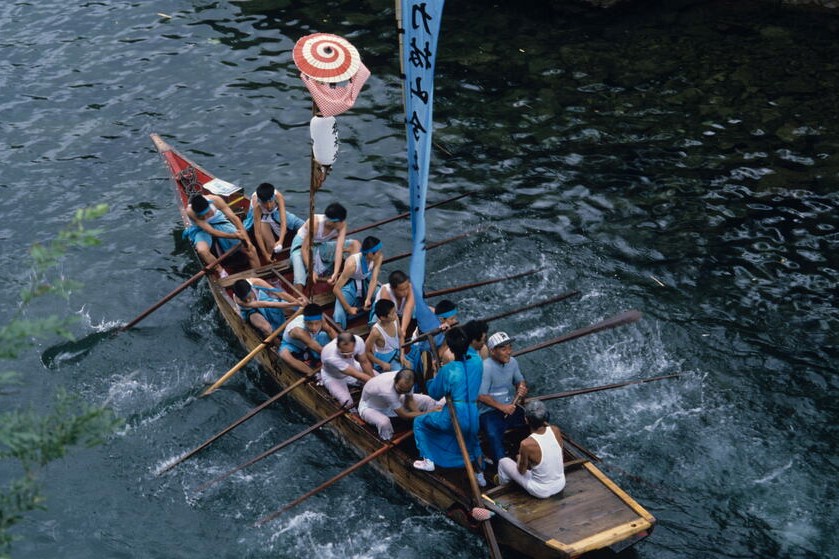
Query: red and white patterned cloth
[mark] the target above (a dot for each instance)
(334, 99)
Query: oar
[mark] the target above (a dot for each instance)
(429, 246)
(489, 534)
(273, 449)
(465, 286)
(406, 214)
(541, 303)
(292, 289)
(180, 288)
(284, 251)
(238, 422)
(370, 457)
(255, 351)
(579, 391)
(618, 320)
(501, 315)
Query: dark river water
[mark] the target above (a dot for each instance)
(678, 160)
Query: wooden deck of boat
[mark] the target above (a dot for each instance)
(590, 513)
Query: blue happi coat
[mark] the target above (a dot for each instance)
(434, 432)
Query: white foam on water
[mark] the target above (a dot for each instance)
(104, 326)
(774, 474)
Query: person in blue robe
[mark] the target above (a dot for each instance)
(458, 381)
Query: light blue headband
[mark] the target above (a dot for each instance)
(202, 212)
(375, 248)
(448, 314)
(311, 317)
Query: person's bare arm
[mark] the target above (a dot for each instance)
(349, 270)
(339, 252)
(370, 346)
(374, 280)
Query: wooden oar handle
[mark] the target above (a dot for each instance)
(180, 288)
(427, 335)
(492, 543)
(245, 360)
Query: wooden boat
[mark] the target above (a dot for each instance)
(591, 514)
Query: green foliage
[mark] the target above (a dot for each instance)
(46, 256)
(29, 440)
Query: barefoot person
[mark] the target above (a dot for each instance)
(329, 245)
(269, 220)
(384, 343)
(215, 229)
(355, 289)
(304, 338)
(539, 468)
(262, 305)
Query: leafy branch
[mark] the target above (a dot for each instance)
(31, 439)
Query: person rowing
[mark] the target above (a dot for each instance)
(391, 395)
(261, 304)
(304, 338)
(398, 290)
(215, 229)
(329, 244)
(345, 364)
(384, 342)
(446, 313)
(269, 220)
(356, 287)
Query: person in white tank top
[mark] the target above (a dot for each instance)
(399, 290)
(539, 470)
(330, 242)
(384, 344)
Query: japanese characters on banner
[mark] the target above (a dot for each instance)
(421, 26)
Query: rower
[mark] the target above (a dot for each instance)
(304, 338)
(357, 284)
(446, 313)
(261, 304)
(477, 331)
(345, 364)
(330, 242)
(384, 343)
(215, 229)
(391, 395)
(269, 220)
(502, 387)
(398, 290)
(539, 468)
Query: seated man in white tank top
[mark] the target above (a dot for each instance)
(540, 468)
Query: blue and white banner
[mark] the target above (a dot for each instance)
(420, 26)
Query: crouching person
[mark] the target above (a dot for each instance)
(539, 469)
(304, 338)
(391, 395)
(345, 364)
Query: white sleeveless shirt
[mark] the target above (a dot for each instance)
(548, 476)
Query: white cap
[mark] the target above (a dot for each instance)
(499, 339)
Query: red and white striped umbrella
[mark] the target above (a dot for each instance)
(325, 57)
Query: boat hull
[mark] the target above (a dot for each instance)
(591, 514)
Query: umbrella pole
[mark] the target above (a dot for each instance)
(314, 184)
